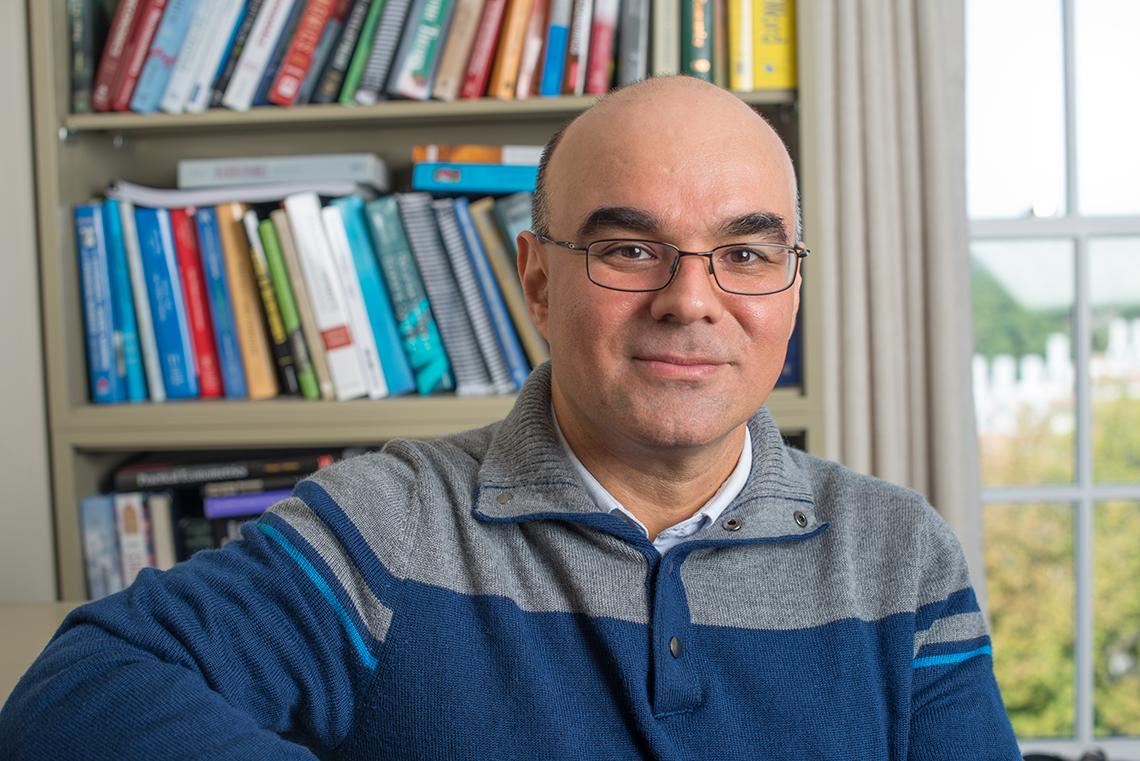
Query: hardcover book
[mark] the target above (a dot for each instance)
(508, 58)
(142, 303)
(557, 39)
(774, 45)
(279, 341)
(332, 78)
(111, 59)
(134, 57)
(483, 50)
(100, 546)
(123, 304)
(98, 309)
(473, 178)
(197, 305)
(457, 49)
(287, 305)
(221, 309)
(363, 168)
(324, 50)
(415, 75)
(222, 36)
(234, 49)
(164, 51)
(256, 52)
(603, 30)
(299, 56)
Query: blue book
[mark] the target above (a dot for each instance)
(100, 545)
(95, 276)
(446, 177)
(397, 371)
(221, 310)
(123, 304)
(791, 374)
(556, 43)
(163, 53)
(261, 94)
(489, 288)
(167, 309)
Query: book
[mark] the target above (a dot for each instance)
(256, 52)
(502, 262)
(397, 373)
(530, 64)
(201, 34)
(557, 39)
(221, 307)
(280, 344)
(363, 337)
(167, 307)
(774, 46)
(160, 59)
(101, 561)
(160, 514)
(326, 293)
(323, 52)
(193, 284)
(360, 168)
(277, 53)
(298, 58)
(287, 306)
(98, 310)
(633, 45)
(134, 57)
(469, 291)
(147, 342)
(132, 533)
(478, 70)
(242, 505)
(251, 485)
(477, 154)
(719, 11)
(666, 56)
(791, 374)
(363, 55)
(419, 333)
(420, 51)
(440, 177)
(221, 37)
(260, 376)
(504, 74)
(235, 47)
(457, 49)
(578, 48)
(740, 45)
(88, 23)
(603, 30)
(261, 193)
(471, 376)
(123, 304)
(332, 78)
(513, 216)
(696, 39)
(300, 292)
(382, 54)
(111, 59)
(160, 474)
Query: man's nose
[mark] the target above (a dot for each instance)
(691, 295)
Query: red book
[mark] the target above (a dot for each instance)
(299, 57)
(122, 28)
(601, 61)
(150, 13)
(530, 68)
(197, 306)
(483, 50)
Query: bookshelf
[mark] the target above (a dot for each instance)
(78, 155)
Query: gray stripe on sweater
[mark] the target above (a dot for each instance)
(963, 626)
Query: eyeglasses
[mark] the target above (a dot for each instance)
(746, 269)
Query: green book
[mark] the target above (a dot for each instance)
(697, 38)
(361, 54)
(290, 319)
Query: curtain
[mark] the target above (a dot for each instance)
(883, 118)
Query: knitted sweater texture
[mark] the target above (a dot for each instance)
(465, 599)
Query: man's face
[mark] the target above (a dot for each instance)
(685, 366)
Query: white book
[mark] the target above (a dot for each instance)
(354, 299)
(160, 511)
(743, 35)
(194, 46)
(666, 57)
(165, 198)
(147, 343)
(363, 168)
(580, 29)
(131, 528)
(222, 26)
(326, 295)
(267, 28)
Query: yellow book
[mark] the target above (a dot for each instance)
(740, 45)
(261, 380)
(774, 44)
(504, 75)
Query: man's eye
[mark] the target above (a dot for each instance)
(746, 256)
(631, 252)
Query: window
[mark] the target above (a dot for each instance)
(1053, 179)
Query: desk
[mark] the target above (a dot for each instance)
(24, 630)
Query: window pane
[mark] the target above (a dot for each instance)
(1115, 362)
(1030, 578)
(1107, 60)
(1116, 618)
(1015, 120)
(1023, 361)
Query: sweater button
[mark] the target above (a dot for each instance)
(801, 519)
(505, 497)
(732, 524)
(675, 647)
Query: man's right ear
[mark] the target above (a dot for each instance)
(532, 264)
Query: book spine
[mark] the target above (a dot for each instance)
(164, 51)
(460, 259)
(126, 16)
(176, 354)
(397, 373)
(150, 14)
(100, 546)
(557, 37)
(578, 49)
(347, 47)
(477, 154)
(277, 54)
(255, 54)
(250, 485)
(774, 45)
(718, 22)
(197, 309)
(368, 86)
(696, 39)
(299, 57)
(242, 505)
(81, 25)
(304, 305)
(196, 45)
(508, 339)
(97, 304)
(416, 75)
(478, 71)
(601, 61)
(366, 57)
(221, 311)
(666, 38)
(235, 47)
(457, 49)
(362, 168)
(220, 39)
(260, 378)
(419, 333)
(160, 512)
(279, 340)
(473, 178)
(139, 289)
(531, 61)
(123, 306)
(326, 294)
(173, 475)
(322, 53)
(290, 319)
(471, 376)
(358, 321)
(633, 48)
(504, 74)
(740, 45)
(132, 533)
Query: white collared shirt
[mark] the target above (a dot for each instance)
(678, 532)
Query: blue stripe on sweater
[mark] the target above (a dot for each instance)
(325, 590)
(949, 658)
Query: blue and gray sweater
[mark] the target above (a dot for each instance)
(465, 599)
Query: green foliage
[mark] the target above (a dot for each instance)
(1002, 325)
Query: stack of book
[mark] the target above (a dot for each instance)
(301, 287)
(181, 56)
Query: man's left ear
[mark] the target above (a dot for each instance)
(535, 280)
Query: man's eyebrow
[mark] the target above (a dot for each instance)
(757, 223)
(618, 217)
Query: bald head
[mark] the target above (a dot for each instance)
(669, 123)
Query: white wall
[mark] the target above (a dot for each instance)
(27, 561)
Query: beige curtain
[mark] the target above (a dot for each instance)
(884, 118)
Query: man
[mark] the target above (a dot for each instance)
(631, 565)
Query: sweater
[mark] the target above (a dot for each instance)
(463, 598)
